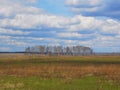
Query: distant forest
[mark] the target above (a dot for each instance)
(60, 50)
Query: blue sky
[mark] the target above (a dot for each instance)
(92, 23)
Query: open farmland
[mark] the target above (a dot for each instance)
(37, 72)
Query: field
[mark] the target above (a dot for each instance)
(37, 72)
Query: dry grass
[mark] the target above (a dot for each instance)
(62, 70)
(20, 57)
(66, 70)
(11, 86)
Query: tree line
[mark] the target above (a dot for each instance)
(60, 50)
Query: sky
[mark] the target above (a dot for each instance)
(91, 23)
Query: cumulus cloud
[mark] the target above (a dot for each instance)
(13, 32)
(83, 3)
(18, 21)
(107, 8)
(10, 11)
(9, 40)
(32, 1)
(4, 49)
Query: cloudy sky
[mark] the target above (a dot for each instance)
(92, 23)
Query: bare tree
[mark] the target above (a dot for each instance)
(27, 50)
(59, 50)
(42, 49)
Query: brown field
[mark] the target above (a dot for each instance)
(60, 66)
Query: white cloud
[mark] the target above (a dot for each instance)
(110, 27)
(32, 1)
(4, 49)
(10, 40)
(13, 32)
(83, 3)
(24, 16)
(11, 8)
(8, 11)
(30, 20)
(74, 35)
(104, 8)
